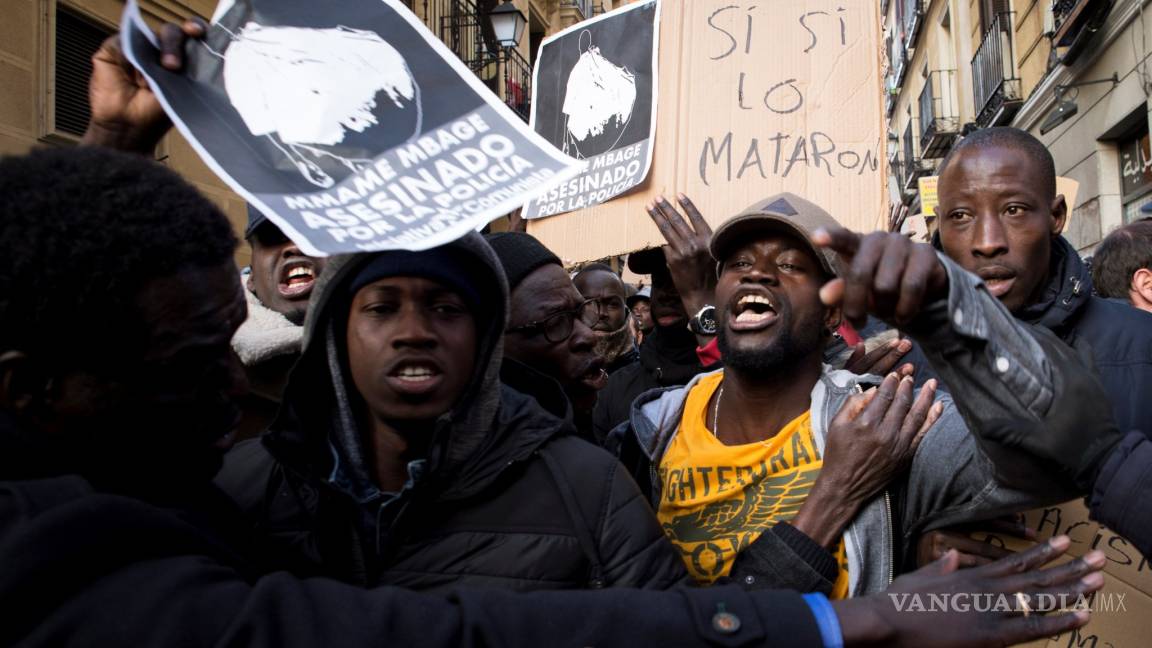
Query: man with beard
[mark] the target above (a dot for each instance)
(614, 341)
(777, 470)
(549, 344)
(1000, 219)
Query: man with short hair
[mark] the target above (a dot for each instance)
(1000, 218)
(1122, 265)
(615, 344)
(774, 471)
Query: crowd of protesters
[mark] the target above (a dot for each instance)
(475, 445)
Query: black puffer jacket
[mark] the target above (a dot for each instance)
(506, 496)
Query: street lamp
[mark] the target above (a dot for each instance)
(508, 23)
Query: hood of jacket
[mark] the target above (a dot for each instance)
(317, 432)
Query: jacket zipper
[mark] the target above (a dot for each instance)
(891, 553)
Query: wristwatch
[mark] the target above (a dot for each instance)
(704, 321)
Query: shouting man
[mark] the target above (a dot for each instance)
(774, 470)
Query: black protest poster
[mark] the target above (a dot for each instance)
(594, 97)
(347, 123)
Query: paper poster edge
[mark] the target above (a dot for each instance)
(473, 81)
(655, 95)
(133, 19)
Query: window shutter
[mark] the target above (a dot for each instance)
(76, 41)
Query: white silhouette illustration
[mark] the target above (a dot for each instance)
(305, 89)
(598, 100)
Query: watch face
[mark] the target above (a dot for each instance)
(705, 321)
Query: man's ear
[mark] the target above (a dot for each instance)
(1059, 214)
(1140, 288)
(21, 381)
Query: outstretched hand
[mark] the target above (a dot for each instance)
(1006, 602)
(125, 113)
(882, 273)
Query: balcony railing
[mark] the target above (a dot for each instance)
(464, 28)
(897, 59)
(939, 118)
(913, 168)
(913, 18)
(995, 83)
(516, 72)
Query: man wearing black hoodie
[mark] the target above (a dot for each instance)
(399, 458)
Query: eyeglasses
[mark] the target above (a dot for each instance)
(557, 327)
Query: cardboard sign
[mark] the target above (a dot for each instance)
(755, 98)
(594, 97)
(1120, 611)
(347, 123)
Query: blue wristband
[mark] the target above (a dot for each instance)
(825, 620)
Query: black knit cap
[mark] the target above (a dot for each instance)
(520, 254)
(447, 266)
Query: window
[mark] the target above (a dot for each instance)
(1135, 173)
(75, 40)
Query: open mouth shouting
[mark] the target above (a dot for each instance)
(296, 279)
(752, 312)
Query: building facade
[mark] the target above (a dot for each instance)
(1077, 74)
(46, 47)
